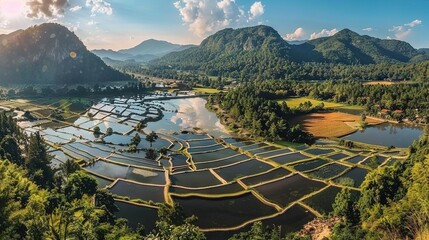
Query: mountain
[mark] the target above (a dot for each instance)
(102, 53)
(297, 42)
(155, 47)
(348, 47)
(50, 53)
(146, 51)
(424, 50)
(261, 48)
(231, 50)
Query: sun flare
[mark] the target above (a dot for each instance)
(11, 9)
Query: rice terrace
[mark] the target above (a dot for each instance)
(214, 120)
(209, 171)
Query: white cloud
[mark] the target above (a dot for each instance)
(414, 23)
(92, 22)
(74, 27)
(256, 10)
(75, 8)
(369, 29)
(401, 32)
(298, 34)
(99, 6)
(323, 33)
(47, 9)
(204, 17)
(4, 23)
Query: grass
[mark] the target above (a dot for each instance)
(295, 101)
(206, 90)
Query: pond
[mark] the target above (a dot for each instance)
(191, 112)
(387, 134)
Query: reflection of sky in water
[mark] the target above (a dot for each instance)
(191, 112)
(387, 134)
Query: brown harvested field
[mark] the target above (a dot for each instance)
(379, 83)
(330, 124)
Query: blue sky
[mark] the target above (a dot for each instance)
(119, 24)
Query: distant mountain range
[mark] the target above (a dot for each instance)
(262, 46)
(146, 51)
(50, 53)
(297, 42)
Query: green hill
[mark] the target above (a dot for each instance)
(50, 53)
(261, 51)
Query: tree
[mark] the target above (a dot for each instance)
(151, 154)
(104, 200)
(109, 131)
(37, 161)
(10, 150)
(345, 205)
(173, 225)
(151, 137)
(69, 167)
(136, 140)
(79, 184)
(97, 131)
(163, 151)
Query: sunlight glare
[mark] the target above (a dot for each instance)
(11, 9)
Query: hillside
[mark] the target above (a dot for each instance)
(261, 49)
(232, 51)
(50, 53)
(146, 51)
(348, 47)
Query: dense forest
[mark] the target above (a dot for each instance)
(287, 71)
(248, 109)
(411, 99)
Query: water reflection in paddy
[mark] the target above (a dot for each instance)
(387, 134)
(191, 112)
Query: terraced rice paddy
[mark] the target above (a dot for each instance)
(138, 191)
(353, 178)
(285, 191)
(328, 171)
(227, 182)
(310, 165)
(265, 177)
(322, 201)
(242, 169)
(195, 179)
(289, 158)
(224, 189)
(224, 212)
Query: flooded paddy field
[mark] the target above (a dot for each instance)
(226, 181)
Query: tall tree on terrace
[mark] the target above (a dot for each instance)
(151, 137)
(37, 161)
